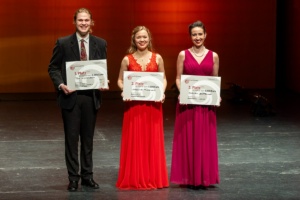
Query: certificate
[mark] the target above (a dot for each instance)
(86, 75)
(201, 90)
(143, 86)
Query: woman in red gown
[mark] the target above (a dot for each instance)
(142, 157)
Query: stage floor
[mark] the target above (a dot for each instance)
(259, 157)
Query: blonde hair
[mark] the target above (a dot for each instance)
(133, 47)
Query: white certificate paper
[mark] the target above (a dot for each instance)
(200, 90)
(86, 75)
(143, 86)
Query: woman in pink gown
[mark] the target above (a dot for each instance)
(142, 157)
(195, 151)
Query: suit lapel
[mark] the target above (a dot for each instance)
(74, 46)
(92, 48)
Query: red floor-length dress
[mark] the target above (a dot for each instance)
(142, 157)
(195, 151)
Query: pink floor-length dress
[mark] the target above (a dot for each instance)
(195, 150)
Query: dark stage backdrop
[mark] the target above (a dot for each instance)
(290, 48)
(243, 33)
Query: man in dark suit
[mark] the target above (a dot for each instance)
(79, 108)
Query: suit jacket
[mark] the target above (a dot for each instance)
(67, 49)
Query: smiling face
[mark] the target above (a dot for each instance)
(83, 23)
(141, 39)
(198, 36)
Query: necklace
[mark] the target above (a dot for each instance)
(141, 56)
(195, 52)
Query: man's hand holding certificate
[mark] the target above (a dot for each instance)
(201, 90)
(86, 75)
(143, 86)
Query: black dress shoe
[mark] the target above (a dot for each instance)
(89, 183)
(73, 185)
